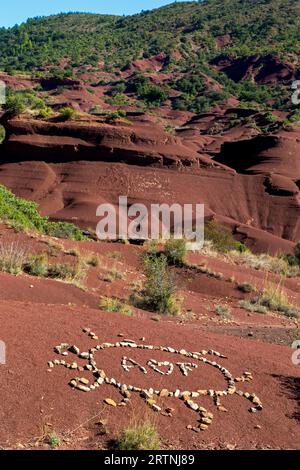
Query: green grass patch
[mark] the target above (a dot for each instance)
(222, 238)
(115, 305)
(24, 216)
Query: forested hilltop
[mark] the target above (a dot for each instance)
(236, 44)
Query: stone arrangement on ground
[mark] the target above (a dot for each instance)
(163, 368)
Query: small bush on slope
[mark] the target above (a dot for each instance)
(222, 238)
(18, 102)
(223, 311)
(158, 294)
(272, 298)
(293, 260)
(23, 215)
(2, 134)
(12, 257)
(175, 251)
(114, 305)
(67, 113)
(37, 265)
(68, 272)
(140, 437)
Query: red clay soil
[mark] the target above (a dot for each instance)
(31, 396)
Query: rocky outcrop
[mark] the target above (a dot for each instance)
(138, 144)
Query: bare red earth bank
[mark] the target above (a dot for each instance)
(247, 181)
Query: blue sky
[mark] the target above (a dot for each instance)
(17, 11)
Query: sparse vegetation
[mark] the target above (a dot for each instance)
(246, 287)
(23, 215)
(223, 311)
(15, 259)
(117, 255)
(67, 114)
(2, 134)
(92, 260)
(293, 260)
(140, 436)
(159, 290)
(18, 102)
(14, 105)
(12, 257)
(222, 238)
(37, 265)
(175, 251)
(272, 298)
(68, 272)
(265, 262)
(253, 306)
(54, 440)
(115, 305)
(111, 274)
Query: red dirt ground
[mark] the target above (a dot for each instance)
(30, 395)
(36, 402)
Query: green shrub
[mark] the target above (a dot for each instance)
(23, 214)
(14, 105)
(114, 305)
(140, 437)
(44, 113)
(223, 311)
(67, 113)
(222, 238)
(293, 117)
(293, 260)
(191, 84)
(54, 440)
(158, 294)
(64, 230)
(290, 259)
(253, 306)
(246, 287)
(68, 272)
(270, 118)
(37, 265)
(152, 94)
(118, 114)
(18, 102)
(119, 87)
(2, 134)
(175, 251)
(118, 100)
